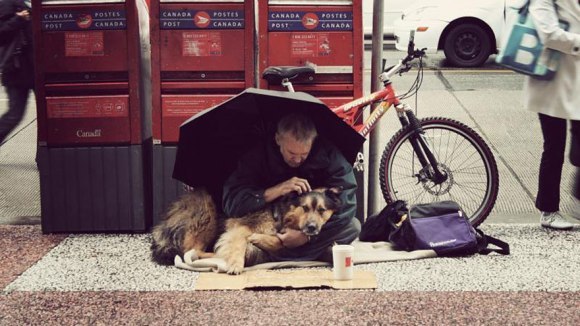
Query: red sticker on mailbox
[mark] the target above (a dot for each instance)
(201, 44)
(84, 44)
(187, 106)
(87, 107)
(310, 45)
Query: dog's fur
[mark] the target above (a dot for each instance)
(247, 239)
(192, 223)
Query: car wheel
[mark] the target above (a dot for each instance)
(467, 45)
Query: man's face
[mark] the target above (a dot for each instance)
(293, 151)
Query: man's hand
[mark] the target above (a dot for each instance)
(24, 14)
(296, 184)
(293, 238)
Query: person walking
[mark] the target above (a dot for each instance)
(17, 61)
(556, 101)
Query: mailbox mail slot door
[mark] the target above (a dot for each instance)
(321, 34)
(88, 120)
(321, 48)
(88, 51)
(85, 38)
(202, 37)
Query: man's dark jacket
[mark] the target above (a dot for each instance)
(11, 27)
(264, 167)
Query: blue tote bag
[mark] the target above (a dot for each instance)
(524, 52)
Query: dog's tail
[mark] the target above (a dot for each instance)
(194, 214)
(166, 243)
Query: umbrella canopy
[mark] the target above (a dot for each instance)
(211, 142)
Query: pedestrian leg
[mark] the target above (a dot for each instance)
(554, 133)
(17, 100)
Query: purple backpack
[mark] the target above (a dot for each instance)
(443, 227)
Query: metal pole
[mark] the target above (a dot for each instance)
(375, 136)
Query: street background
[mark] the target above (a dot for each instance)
(487, 99)
(108, 278)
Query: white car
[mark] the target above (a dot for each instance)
(467, 31)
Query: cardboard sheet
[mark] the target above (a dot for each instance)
(284, 278)
(364, 253)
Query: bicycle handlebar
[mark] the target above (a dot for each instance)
(404, 64)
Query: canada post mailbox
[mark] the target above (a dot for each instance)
(327, 34)
(92, 126)
(87, 70)
(202, 54)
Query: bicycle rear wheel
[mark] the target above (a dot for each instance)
(472, 176)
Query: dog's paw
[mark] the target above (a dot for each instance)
(235, 266)
(235, 269)
(254, 238)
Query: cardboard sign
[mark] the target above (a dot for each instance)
(284, 278)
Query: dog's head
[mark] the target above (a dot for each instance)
(309, 211)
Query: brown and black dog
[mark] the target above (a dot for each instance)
(192, 223)
(246, 239)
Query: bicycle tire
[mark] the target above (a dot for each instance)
(460, 152)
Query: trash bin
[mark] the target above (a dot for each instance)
(202, 54)
(94, 137)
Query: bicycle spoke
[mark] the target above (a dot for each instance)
(457, 156)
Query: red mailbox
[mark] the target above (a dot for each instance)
(92, 130)
(87, 72)
(327, 34)
(202, 54)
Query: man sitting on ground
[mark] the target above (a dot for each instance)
(296, 160)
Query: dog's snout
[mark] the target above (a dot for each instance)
(310, 229)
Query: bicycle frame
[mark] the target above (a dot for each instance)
(388, 98)
(350, 110)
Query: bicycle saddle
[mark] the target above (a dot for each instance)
(275, 74)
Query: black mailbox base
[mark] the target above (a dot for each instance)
(165, 188)
(94, 189)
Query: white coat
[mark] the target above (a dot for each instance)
(559, 97)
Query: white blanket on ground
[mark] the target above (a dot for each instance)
(364, 253)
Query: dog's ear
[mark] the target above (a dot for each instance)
(333, 195)
(283, 204)
(291, 199)
(287, 199)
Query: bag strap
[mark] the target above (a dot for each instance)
(504, 247)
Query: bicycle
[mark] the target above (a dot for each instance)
(428, 159)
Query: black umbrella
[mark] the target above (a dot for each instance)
(211, 142)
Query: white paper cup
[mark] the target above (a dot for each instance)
(342, 262)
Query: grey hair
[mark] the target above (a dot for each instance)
(299, 126)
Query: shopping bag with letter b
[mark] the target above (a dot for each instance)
(524, 52)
